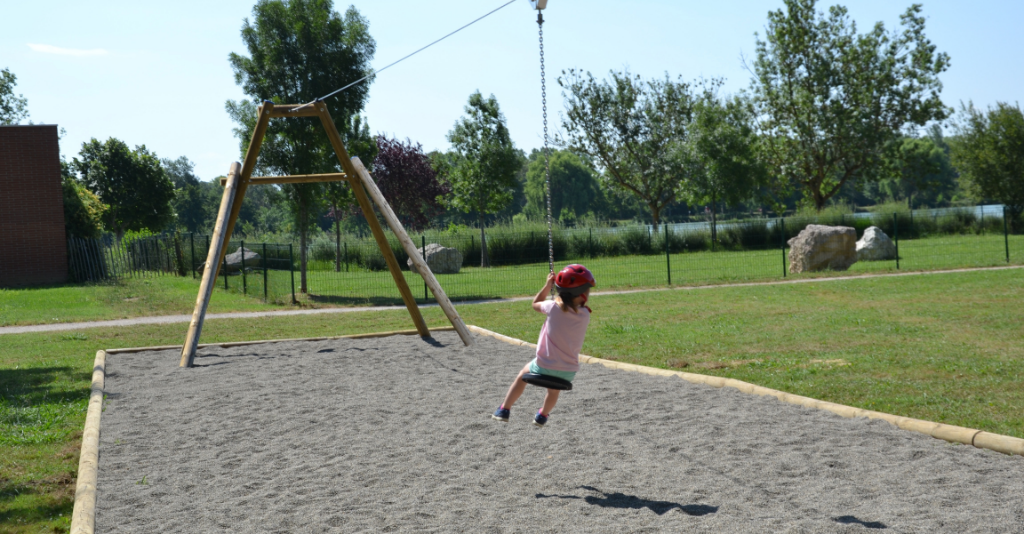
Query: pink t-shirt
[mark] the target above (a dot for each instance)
(561, 338)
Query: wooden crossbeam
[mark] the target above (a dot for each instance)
(295, 110)
(294, 179)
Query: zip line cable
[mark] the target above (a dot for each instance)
(374, 73)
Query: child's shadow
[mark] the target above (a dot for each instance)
(621, 500)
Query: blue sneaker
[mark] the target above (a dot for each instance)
(540, 419)
(501, 414)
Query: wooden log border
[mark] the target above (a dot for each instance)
(83, 516)
(950, 433)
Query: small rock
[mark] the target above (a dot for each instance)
(874, 245)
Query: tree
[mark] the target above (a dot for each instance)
(132, 183)
(190, 205)
(575, 191)
(721, 155)
(408, 181)
(482, 169)
(629, 127)
(301, 50)
(83, 211)
(360, 144)
(989, 153)
(13, 108)
(832, 103)
(922, 170)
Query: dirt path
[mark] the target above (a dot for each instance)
(169, 319)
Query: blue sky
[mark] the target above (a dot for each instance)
(157, 73)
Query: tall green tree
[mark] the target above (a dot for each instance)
(191, 206)
(132, 183)
(482, 168)
(989, 153)
(630, 127)
(83, 211)
(721, 155)
(575, 190)
(922, 172)
(833, 103)
(13, 108)
(300, 50)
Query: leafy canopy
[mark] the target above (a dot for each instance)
(721, 154)
(833, 103)
(408, 181)
(629, 127)
(13, 108)
(989, 153)
(482, 169)
(132, 183)
(575, 191)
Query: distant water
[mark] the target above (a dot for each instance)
(989, 210)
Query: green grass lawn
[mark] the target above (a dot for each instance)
(945, 347)
(133, 297)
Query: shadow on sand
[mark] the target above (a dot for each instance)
(621, 500)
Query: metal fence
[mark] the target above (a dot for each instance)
(266, 270)
(354, 271)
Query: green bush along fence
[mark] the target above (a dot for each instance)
(352, 270)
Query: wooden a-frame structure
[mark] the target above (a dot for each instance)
(240, 177)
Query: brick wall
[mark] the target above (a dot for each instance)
(33, 247)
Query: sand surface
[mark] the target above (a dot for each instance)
(394, 435)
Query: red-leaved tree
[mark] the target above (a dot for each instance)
(408, 182)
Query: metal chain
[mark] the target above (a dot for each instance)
(547, 156)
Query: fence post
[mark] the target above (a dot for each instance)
(896, 237)
(266, 292)
(192, 257)
(291, 267)
(241, 249)
(1006, 235)
(224, 266)
(345, 246)
(782, 243)
(423, 252)
(668, 259)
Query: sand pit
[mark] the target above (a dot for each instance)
(394, 435)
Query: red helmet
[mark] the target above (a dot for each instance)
(574, 279)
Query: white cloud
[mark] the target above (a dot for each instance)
(48, 49)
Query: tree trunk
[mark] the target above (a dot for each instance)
(484, 261)
(303, 233)
(337, 239)
(655, 216)
(714, 221)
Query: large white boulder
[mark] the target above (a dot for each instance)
(441, 260)
(820, 247)
(874, 245)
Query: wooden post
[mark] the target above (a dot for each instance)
(247, 166)
(213, 258)
(371, 219)
(414, 255)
